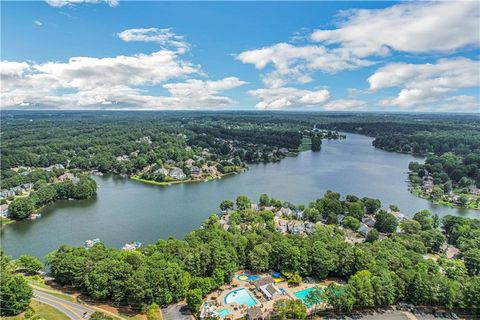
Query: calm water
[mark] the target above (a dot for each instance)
(125, 210)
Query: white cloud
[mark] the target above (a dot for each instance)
(198, 88)
(281, 98)
(423, 27)
(165, 37)
(425, 83)
(38, 23)
(122, 81)
(362, 36)
(298, 63)
(461, 103)
(345, 105)
(62, 3)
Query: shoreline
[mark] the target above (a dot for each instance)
(420, 194)
(166, 184)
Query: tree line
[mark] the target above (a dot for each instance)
(378, 272)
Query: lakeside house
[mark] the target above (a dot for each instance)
(474, 190)
(177, 173)
(427, 184)
(132, 246)
(161, 171)
(67, 176)
(4, 210)
(400, 216)
(195, 172)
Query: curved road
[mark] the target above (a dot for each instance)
(73, 310)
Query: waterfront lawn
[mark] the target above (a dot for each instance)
(306, 144)
(165, 183)
(6, 221)
(42, 311)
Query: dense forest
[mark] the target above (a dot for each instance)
(94, 140)
(380, 271)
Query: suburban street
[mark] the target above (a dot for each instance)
(73, 310)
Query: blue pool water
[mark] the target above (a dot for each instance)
(222, 313)
(302, 295)
(240, 296)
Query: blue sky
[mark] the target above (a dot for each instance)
(334, 56)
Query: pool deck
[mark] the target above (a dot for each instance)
(236, 311)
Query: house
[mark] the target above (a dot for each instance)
(298, 214)
(281, 225)
(122, 158)
(146, 139)
(369, 221)
(364, 229)
(195, 171)
(177, 173)
(285, 211)
(450, 251)
(255, 313)
(134, 153)
(55, 166)
(161, 171)
(340, 218)
(309, 227)
(474, 190)
(254, 206)
(189, 162)
(400, 216)
(283, 150)
(296, 227)
(27, 186)
(4, 210)
(67, 176)
(266, 285)
(212, 170)
(427, 184)
(224, 219)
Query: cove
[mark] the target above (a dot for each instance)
(126, 210)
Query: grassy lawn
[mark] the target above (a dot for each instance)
(39, 284)
(6, 221)
(306, 144)
(42, 310)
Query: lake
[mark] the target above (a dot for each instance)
(126, 210)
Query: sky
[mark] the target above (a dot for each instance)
(330, 56)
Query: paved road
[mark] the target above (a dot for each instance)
(177, 312)
(73, 310)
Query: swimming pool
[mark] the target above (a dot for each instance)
(303, 295)
(240, 296)
(223, 313)
(247, 277)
